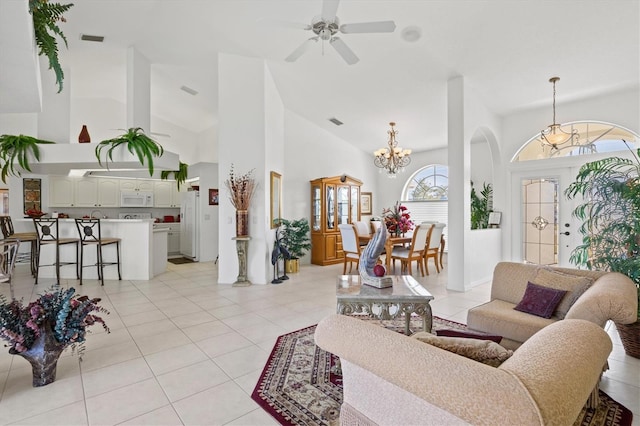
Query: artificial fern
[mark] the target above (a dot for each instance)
(45, 18)
(179, 175)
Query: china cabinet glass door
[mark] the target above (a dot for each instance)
(331, 206)
(316, 207)
(343, 204)
(355, 204)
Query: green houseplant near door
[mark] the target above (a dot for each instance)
(295, 237)
(610, 215)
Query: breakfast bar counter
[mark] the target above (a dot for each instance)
(136, 251)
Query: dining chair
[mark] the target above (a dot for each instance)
(435, 247)
(363, 230)
(350, 246)
(375, 224)
(8, 255)
(6, 226)
(91, 234)
(415, 251)
(48, 234)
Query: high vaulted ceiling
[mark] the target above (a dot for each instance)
(506, 50)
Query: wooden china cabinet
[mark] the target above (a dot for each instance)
(334, 200)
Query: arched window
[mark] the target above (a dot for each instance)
(426, 195)
(430, 183)
(593, 137)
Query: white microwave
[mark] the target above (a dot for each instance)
(136, 199)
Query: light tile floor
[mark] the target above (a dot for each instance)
(185, 350)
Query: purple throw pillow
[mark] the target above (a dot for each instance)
(539, 300)
(456, 333)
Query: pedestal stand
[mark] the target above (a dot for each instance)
(242, 245)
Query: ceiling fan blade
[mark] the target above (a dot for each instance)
(283, 24)
(344, 50)
(369, 27)
(301, 49)
(329, 9)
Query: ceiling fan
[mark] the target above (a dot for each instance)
(327, 25)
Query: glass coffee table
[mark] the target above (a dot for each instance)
(407, 296)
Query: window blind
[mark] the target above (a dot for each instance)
(437, 211)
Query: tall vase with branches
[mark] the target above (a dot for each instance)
(241, 187)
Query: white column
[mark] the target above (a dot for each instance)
(459, 275)
(138, 90)
(249, 137)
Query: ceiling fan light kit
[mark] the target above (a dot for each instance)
(326, 27)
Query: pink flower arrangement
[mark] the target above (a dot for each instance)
(397, 219)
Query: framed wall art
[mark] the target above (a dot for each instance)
(366, 203)
(213, 196)
(276, 199)
(32, 194)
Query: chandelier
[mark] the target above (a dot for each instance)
(553, 135)
(392, 158)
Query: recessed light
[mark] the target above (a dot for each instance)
(336, 121)
(88, 37)
(189, 90)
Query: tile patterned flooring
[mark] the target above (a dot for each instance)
(185, 350)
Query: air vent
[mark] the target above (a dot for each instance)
(336, 121)
(189, 90)
(88, 37)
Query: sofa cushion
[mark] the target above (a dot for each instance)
(539, 300)
(458, 333)
(484, 351)
(574, 285)
(498, 317)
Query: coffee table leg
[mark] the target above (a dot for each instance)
(407, 322)
(427, 319)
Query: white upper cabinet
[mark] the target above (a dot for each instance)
(61, 191)
(166, 194)
(108, 193)
(136, 185)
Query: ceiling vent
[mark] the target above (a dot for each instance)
(336, 121)
(88, 37)
(189, 90)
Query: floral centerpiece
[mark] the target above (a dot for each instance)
(40, 331)
(241, 188)
(397, 219)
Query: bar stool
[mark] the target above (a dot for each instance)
(8, 255)
(91, 233)
(48, 234)
(6, 225)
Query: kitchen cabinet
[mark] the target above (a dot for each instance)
(77, 192)
(136, 185)
(166, 194)
(173, 239)
(61, 191)
(334, 201)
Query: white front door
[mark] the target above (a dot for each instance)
(543, 228)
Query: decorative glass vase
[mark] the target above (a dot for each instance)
(84, 136)
(242, 223)
(43, 357)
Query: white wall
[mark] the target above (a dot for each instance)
(312, 152)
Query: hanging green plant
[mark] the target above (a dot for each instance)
(179, 175)
(136, 142)
(45, 25)
(15, 152)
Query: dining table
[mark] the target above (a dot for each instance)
(388, 246)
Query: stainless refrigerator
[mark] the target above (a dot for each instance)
(189, 224)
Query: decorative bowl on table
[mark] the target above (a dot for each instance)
(35, 213)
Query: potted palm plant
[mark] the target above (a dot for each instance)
(610, 215)
(481, 206)
(295, 237)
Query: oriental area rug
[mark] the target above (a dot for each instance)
(302, 385)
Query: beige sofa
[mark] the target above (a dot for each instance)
(612, 296)
(392, 379)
